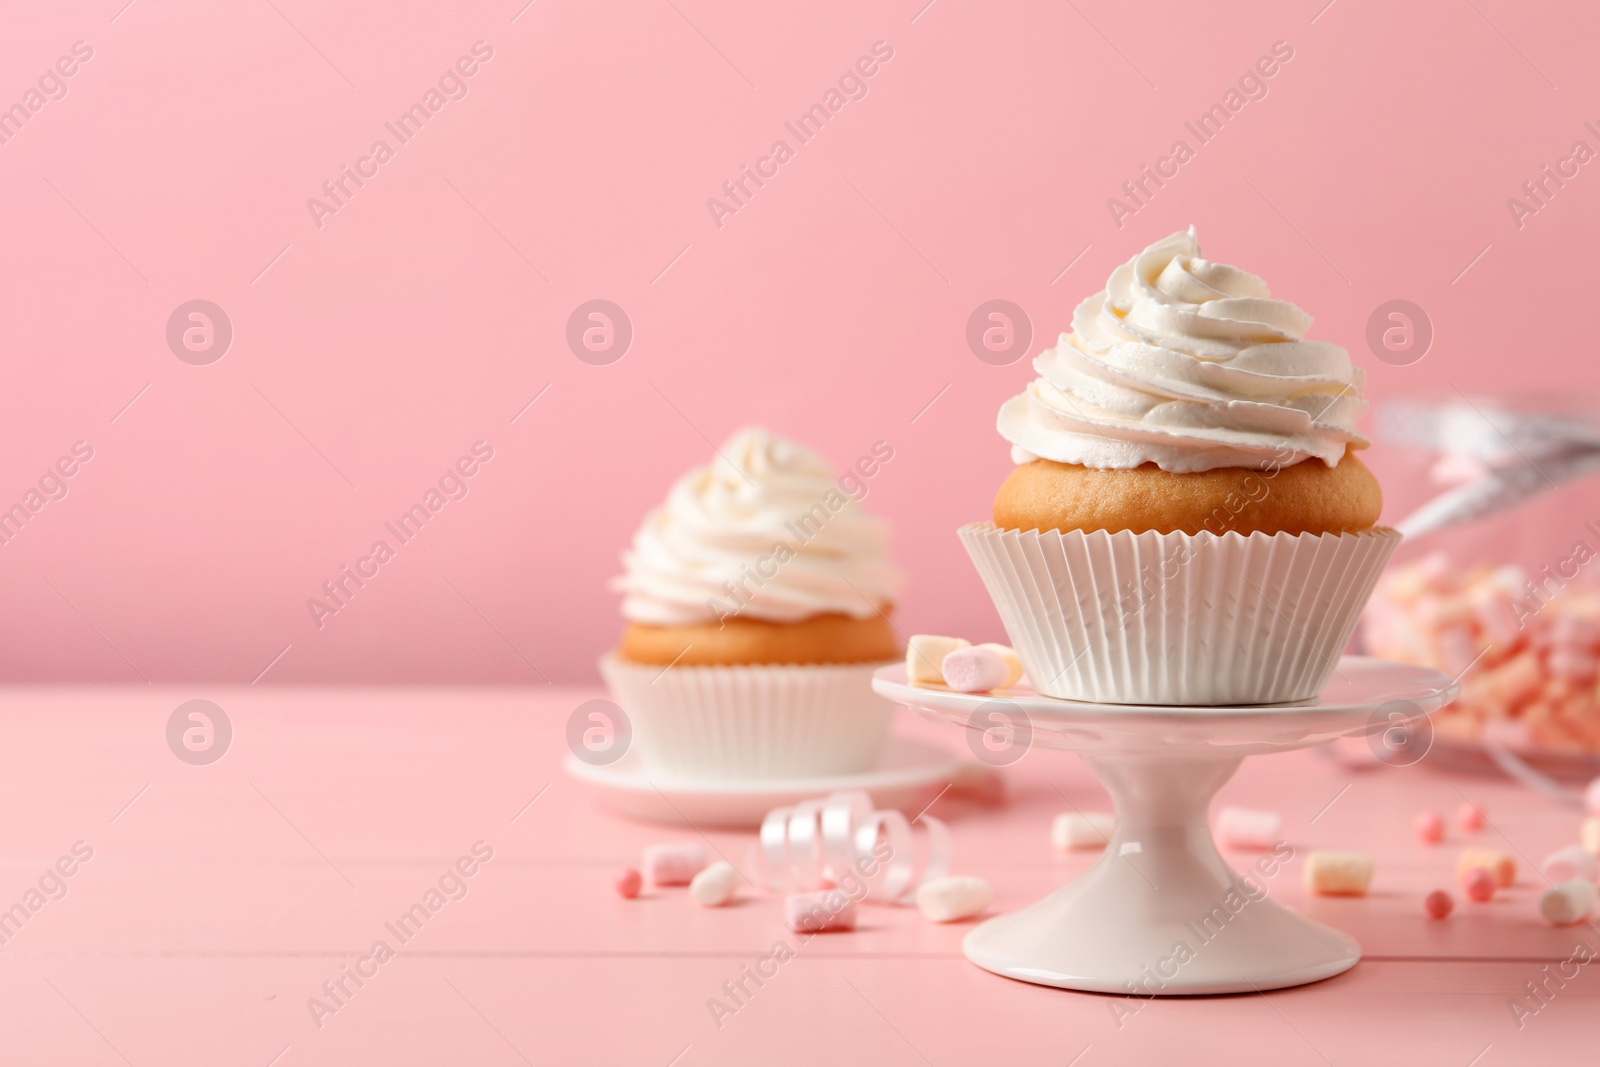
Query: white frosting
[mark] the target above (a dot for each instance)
(1189, 365)
(765, 532)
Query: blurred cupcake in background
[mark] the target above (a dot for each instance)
(757, 600)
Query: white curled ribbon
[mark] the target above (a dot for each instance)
(840, 837)
(1506, 457)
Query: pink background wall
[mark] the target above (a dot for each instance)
(372, 352)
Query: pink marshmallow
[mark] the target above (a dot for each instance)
(974, 669)
(1515, 680)
(829, 911)
(1591, 798)
(675, 863)
(628, 883)
(1436, 613)
(1492, 611)
(1579, 664)
(1244, 828)
(1458, 650)
(1469, 818)
(1436, 570)
(1574, 861)
(1575, 629)
(1429, 827)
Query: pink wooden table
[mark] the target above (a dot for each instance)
(220, 898)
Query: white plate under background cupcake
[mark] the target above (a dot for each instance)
(757, 600)
(909, 774)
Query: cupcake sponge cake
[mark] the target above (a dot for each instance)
(1305, 498)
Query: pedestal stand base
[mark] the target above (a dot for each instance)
(1161, 914)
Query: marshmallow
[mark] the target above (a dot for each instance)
(1429, 827)
(1574, 861)
(715, 885)
(628, 883)
(1469, 818)
(982, 783)
(974, 669)
(1500, 865)
(1568, 903)
(1439, 904)
(1246, 828)
(1589, 834)
(1591, 797)
(953, 897)
(1541, 657)
(829, 911)
(1341, 874)
(1013, 662)
(925, 655)
(1515, 680)
(1073, 829)
(1492, 611)
(1478, 884)
(1576, 628)
(1578, 664)
(673, 864)
(1457, 649)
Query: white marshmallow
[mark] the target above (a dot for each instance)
(1248, 828)
(925, 655)
(675, 863)
(1013, 662)
(1568, 903)
(715, 885)
(953, 897)
(974, 670)
(1340, 874)
(1073, 829)
(1574, 861)
(1589, 834)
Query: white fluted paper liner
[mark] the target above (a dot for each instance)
(752, 722)
(1179, 619)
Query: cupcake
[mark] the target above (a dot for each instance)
(1188, 522)
(757, 600)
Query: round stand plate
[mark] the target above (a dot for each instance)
(1161, 913)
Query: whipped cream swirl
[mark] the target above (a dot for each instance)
(765, 532)
(1189, 365)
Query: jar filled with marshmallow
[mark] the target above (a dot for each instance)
(1498, 580)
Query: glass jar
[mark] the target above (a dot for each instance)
(1498, 581)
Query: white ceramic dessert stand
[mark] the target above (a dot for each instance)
(1161, 883)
